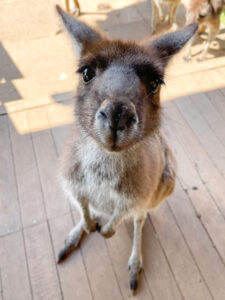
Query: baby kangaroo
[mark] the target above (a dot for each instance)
(117, 162)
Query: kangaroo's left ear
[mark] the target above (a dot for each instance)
(81, 34)
(169, 44)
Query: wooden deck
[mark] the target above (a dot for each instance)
(184, 239)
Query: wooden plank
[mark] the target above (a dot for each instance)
(204, 133)
(48, 165)
(156, 265)
(119, 248)
(212, 221)
(60, 135)
(217, 99)
(99, 268)
(208, 213)
(60, 114)
(42, 269)
(29, 188)
(178, 87)
(100, 271)
(183, 265)
(14, 273)
(1, 294)
(209, 113)
(197, 154)
(9, 207)
(223, 91)
(181, 68)
(1, 288)
(72, 272)
(216, 75)
(190, 83)
(204, 204)
(209, 262)
(209, 79)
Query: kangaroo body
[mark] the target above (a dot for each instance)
(124, 183)
(117, 162)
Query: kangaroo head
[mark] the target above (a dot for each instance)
(118, 98)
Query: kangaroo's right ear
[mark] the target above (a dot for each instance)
(82, 35)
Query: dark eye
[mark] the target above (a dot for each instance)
(88, 74)
(153, 86)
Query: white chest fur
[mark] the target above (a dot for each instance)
(101, 174)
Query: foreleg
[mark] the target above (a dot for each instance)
(188, 56)
(89, 224)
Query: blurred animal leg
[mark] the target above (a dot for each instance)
(188, 57)
(155, 16)
(135, 262)
(77, 8)
(173, 16)
(68, 6)
(213, 29)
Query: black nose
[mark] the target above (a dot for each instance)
(118, 116)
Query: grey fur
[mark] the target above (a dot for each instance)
(117, 162)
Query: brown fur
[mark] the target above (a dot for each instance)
(117, 162)
(207, 14)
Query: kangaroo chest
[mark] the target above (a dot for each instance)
(100, 181)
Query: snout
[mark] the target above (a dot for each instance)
(116, 122)
(117, 115)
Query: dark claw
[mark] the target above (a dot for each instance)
(98, 227)
(133, 283)
(65, 252)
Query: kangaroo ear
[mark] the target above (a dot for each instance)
(82, 35)
(169, 44)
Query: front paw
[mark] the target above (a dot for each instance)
(105, 231)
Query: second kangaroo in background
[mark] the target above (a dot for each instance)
(117, 162)
(207, 14)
